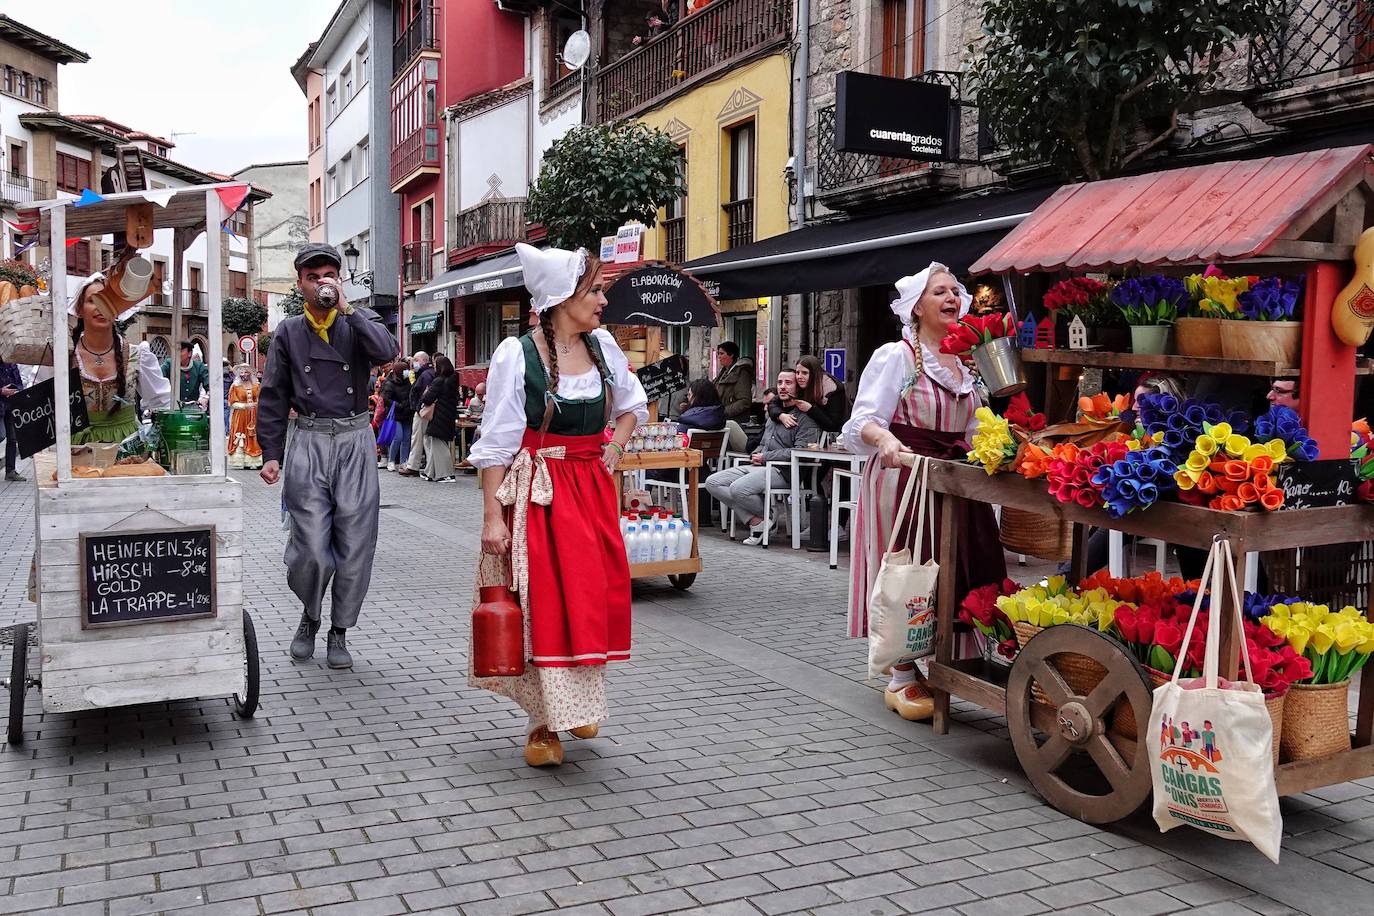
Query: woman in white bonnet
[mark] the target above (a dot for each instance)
(549, 501)
(913, 398)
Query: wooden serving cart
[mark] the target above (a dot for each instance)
(1291, 215)
(163, 554)
(681, 573)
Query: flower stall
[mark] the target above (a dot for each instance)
(1253, 283)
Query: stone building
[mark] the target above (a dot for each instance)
(281, 226)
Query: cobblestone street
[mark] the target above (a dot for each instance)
(748, 768)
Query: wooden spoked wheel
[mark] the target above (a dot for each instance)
(1065, 748)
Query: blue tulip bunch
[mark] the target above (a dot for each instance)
(1283, 423)
(1255, 606)
(1176, 424)
(1271, 299)
(1136, 481)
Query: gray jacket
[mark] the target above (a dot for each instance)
(778, 441)
(319, 379)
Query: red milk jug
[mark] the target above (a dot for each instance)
(498, 634)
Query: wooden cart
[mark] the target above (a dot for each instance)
(681, 573)
(173, 626)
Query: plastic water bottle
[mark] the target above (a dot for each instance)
(670, 541)
(656, 542)
(629, 529)
(684, 539)
(643, 547)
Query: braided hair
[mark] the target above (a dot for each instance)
(584, 284)
(120, 391)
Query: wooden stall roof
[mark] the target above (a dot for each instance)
(186, 209)
(1224, 211)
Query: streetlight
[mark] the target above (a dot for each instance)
(351, 260)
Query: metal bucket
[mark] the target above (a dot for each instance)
(999, 364)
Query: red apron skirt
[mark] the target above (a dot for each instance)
(579, 578)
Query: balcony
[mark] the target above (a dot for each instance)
(22, 189)
(675, 239)
(739, 222)
(193, 302)
(416, 155)
(422, 34)
(1317, 69)
(417, 262)
(492, 225)
(696, 48)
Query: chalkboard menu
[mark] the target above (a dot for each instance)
(147, 576)
(1316, 484)
(31, 411)
(663, 377)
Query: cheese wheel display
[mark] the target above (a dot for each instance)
(1352, 314)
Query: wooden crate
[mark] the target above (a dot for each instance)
(143, 663)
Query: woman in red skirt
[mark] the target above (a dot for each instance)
(913, 398)
(550, 510)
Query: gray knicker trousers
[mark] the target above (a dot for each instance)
(332, 496)
(742, 488)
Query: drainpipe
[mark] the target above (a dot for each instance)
(802, 105)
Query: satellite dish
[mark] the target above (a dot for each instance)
(578, 49)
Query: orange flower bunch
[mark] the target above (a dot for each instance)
(1236, 485)
(1034, 461)
(1101, 408)
(1138, 590)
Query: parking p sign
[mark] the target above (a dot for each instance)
(833, 363)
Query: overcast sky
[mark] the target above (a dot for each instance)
(216, 72)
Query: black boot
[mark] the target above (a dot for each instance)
(338, 656)
(303, 646)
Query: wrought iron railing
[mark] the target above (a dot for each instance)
(422, 34)
(705, 42)
(1315, 38)
(22, 189)
(492, 222)
(675, 239)
(835, 169)
(417, 261)
(739, 222)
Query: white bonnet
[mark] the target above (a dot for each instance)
(80, 287)
(910, 289)
(551, 274)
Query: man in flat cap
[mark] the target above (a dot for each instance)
(192, 375)
(318, 365)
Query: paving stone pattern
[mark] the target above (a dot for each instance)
(748, 769)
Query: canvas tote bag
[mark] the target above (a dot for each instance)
(901, 612)
(1210, 746)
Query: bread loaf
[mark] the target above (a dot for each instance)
(27, 291)
(82, 472)
(134, 468)
(7, 292)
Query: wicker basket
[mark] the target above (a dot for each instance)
(1036, 535)
(1280, 341)
(26, 331)
(1316, 721)
(1080, 672)
(1276, 704)
(1198, 336)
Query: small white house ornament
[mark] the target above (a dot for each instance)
(1078, 334)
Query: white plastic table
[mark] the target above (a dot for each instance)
(819, 456)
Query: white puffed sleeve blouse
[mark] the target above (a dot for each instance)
(503, 418)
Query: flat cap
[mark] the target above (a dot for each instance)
(317, 251)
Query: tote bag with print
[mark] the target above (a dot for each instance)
(901, 609)
(1211, 754)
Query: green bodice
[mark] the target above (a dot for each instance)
(582, 417)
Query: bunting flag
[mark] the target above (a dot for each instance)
(20, 227)
(160, 196)
(232, 197)
(88, 197)
(20, 249)
(225, 226)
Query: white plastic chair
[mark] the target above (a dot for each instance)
(837, 503)
(1119, 565)
(712, 445)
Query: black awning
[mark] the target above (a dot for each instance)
(500, 272)
(870, 251)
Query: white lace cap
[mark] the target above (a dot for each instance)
(910, 289)
(551, 274)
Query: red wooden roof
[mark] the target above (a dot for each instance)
(1196, 215)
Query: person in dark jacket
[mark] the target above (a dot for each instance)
(735, 381)
(819, 395)
(396, 394)
(443, 394)
(704, 409)
(11, 383)
(423, 375)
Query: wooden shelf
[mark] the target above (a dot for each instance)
(1102, 359)
(665, 568)
(674, 458)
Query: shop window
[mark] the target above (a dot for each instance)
(903, 50)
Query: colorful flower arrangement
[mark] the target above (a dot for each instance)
(1176, 424)
(1336, 644)
(1282, 423)
(972, 331)
(1271, 299)
(1152, 586)
(1101, 408)
(1152, 300)
(1215, 295)
(1070, 473)
(979, 610)
(1054, 602)
(1034, 460)
(1020, 413)
(993, 445)
(1362, 453)
(1084, 298)
(1135, 481)
(1234, 472)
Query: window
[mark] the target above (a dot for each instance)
(331, 101)
(106, 257)
(238, 222)
(316, 205)
(159, 277)
(333, 185)
(40, 91)
(193, 298)
(742, 162)
(560, 25)
(160, 348)
(360, 163)
(346, 172)
(364, 252)
(903, 50)
(79, 259)
(361, 59)
(346, 80)
(313, 127)
(73, 174)
(238, 284)
(677, 208)
(21, 87)
(10, 77)
(19, 163)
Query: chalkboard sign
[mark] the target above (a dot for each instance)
(659, 295)
(147, 576)
(1315, 484)
(664, 377)
(31, 411)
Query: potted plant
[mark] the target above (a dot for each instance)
(988, 342)
(1150, 306)
(1212, 299)
(1266, 327)
(1090, 301)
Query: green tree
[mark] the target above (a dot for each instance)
(598, 176)
(1090, 86)
(293, 304)
(242, 317)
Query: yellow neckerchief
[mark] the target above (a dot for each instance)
(321, 327)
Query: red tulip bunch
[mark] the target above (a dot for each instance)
(979, 610)
(1070, 473)
(1075, 293)
(972, 331)
(1019, 412)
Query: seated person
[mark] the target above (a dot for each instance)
(819, 395)
(703, 408)
(742, 488)
(477, 401)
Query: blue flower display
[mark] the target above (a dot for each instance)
(1177, 424)
(1255, 606)
(1150, 300)
(1271, 299)
(1283, 423)
(1136, 481)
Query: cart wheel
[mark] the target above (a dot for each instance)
(245, 706)
(1068, 755)
(682, 581)
(19, 679)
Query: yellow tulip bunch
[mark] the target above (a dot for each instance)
(1216, 295)
(1338, 643)
(1053, 602)
(993, 445)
